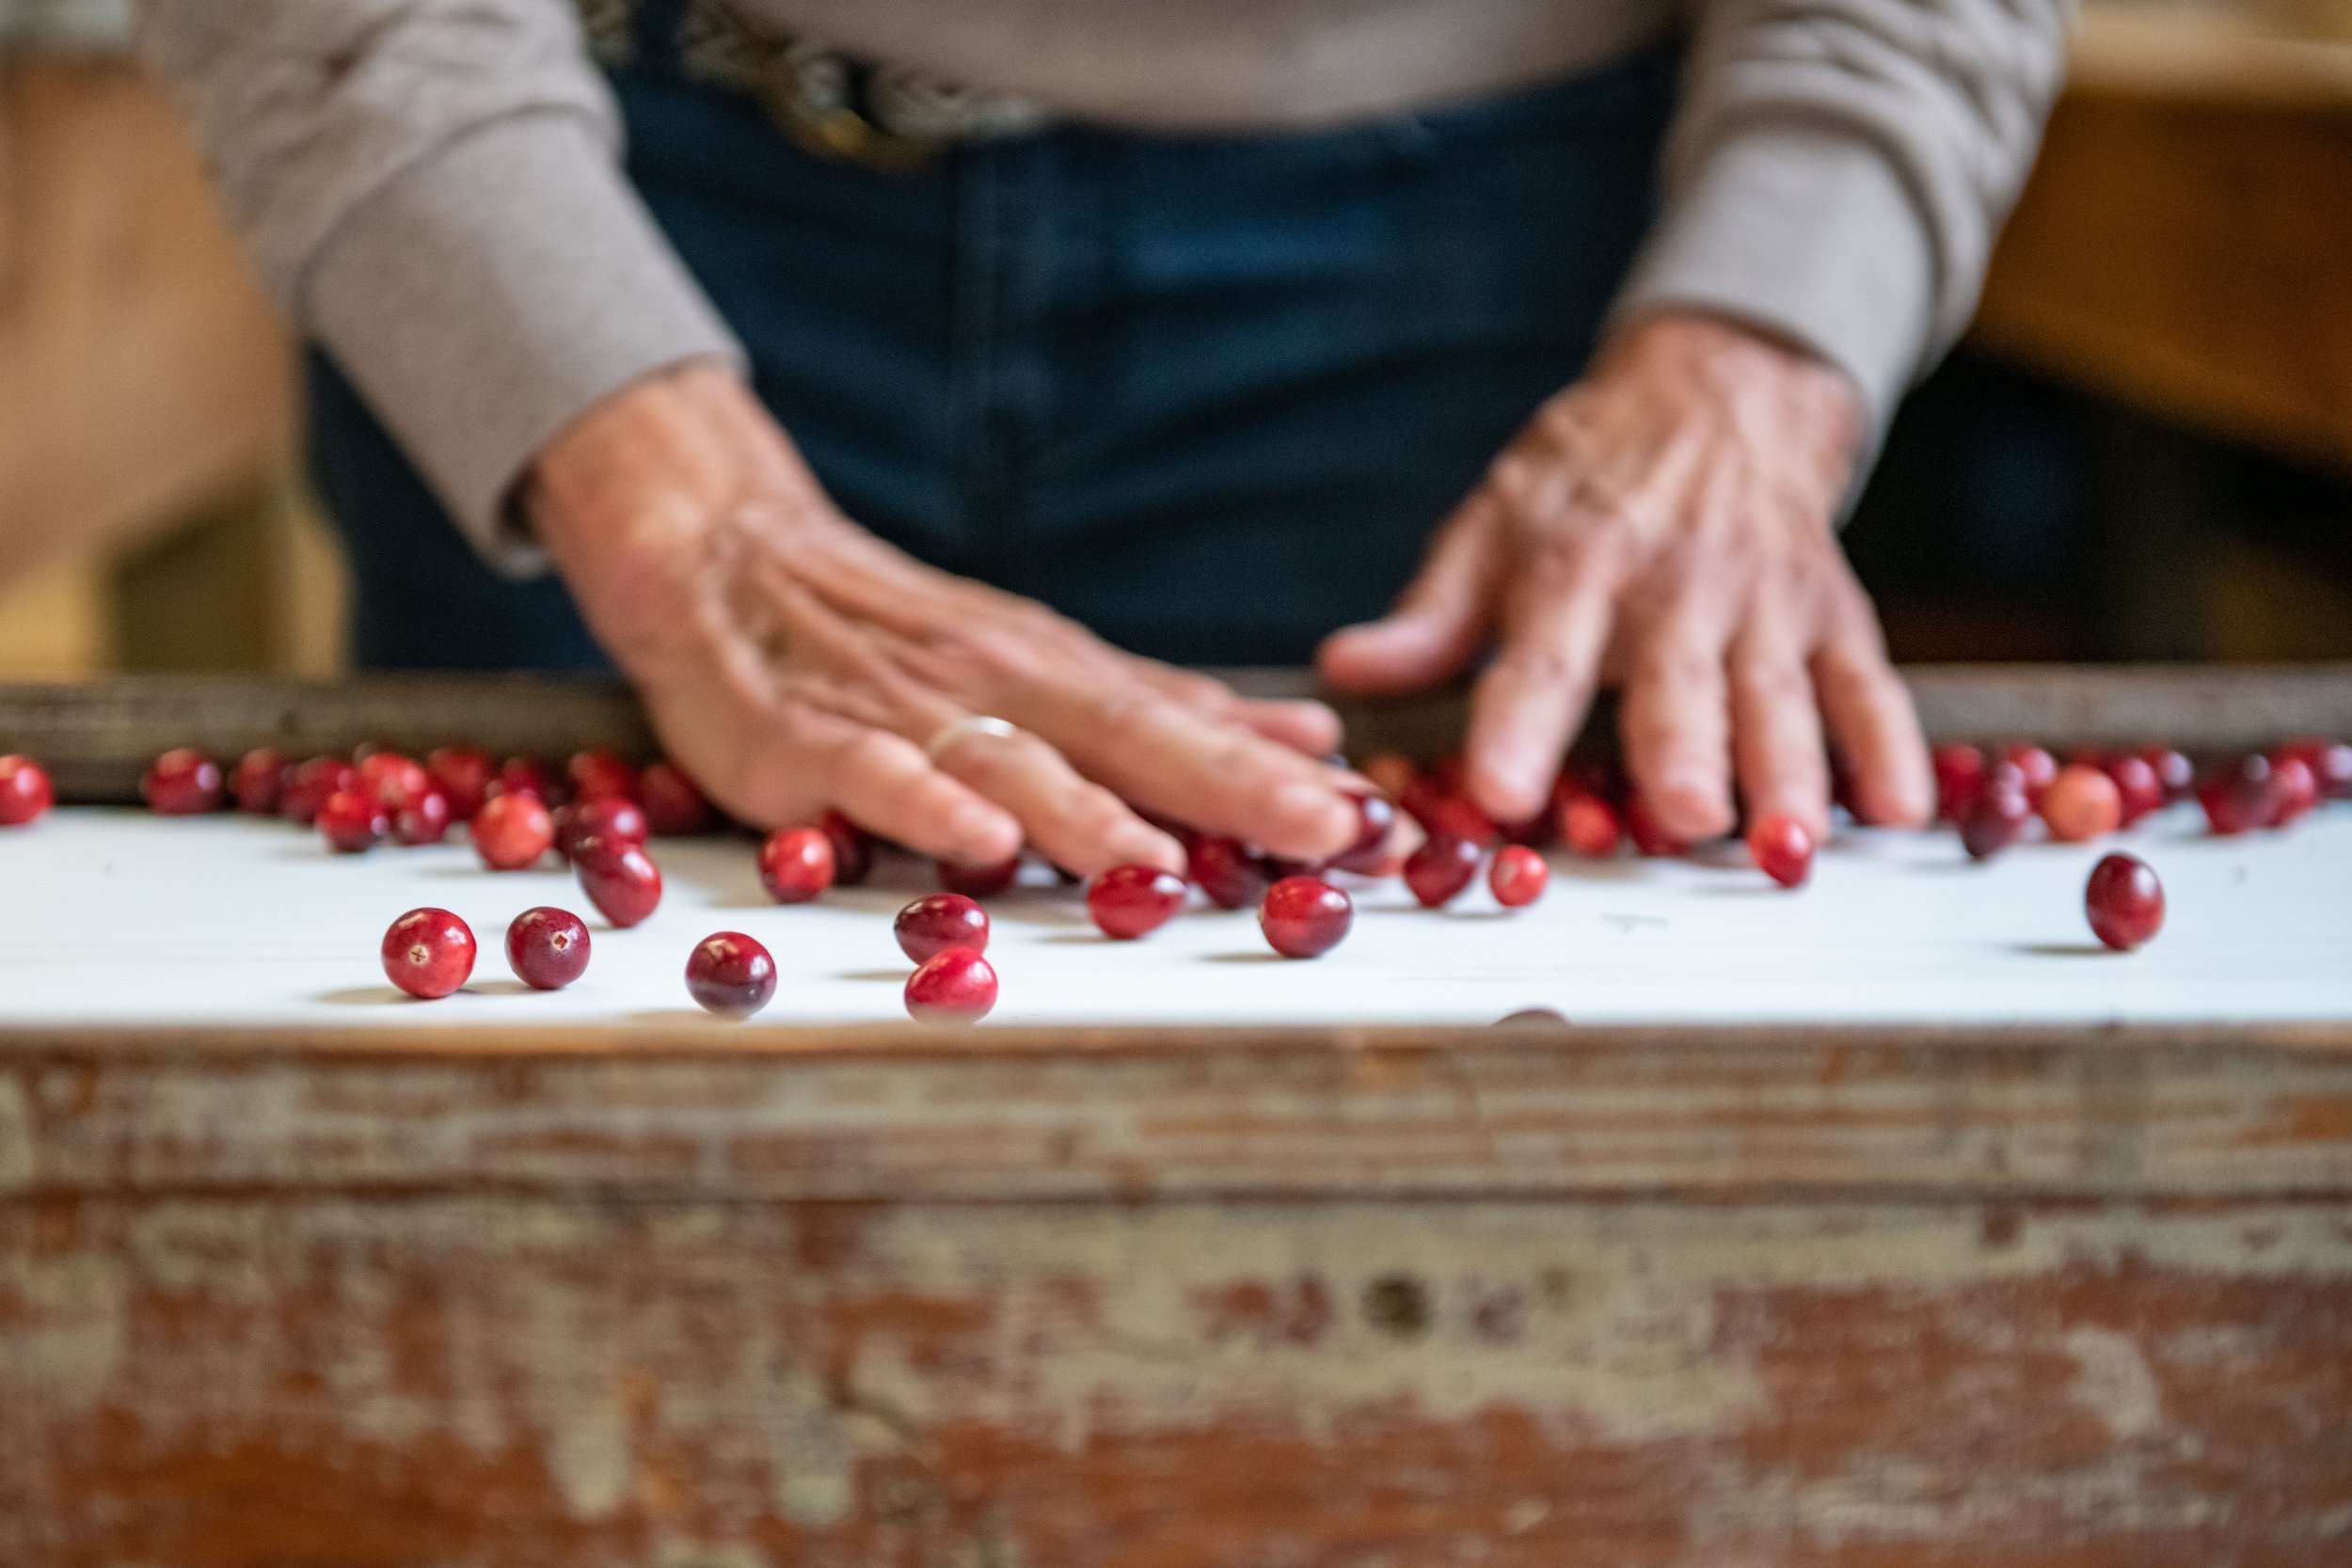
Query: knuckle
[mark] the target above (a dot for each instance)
(1536, 664)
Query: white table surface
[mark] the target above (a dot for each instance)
(122, 917)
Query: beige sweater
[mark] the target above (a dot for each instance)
(430, 186)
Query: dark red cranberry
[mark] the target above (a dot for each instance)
(463, 775)
(1648, 835)
(674, 806)
(530, 776)
(1782, 849)
(1374, 815)
(2039, 766)
(852, 849)
(2138, 790)
(1996, 818)
(547, 947)
(619, 878)
(308, 786)
(353, 821)
(428, 953)
(25, 791)
(612, 816)
(731, 975)
(1304, 916)
(424, 821)
(2082, 804)
(2174, 771)
(955, 986)
(599, 773)
(933, 924)
(184, 783)
(512, 831)
(1233, 875)
(2239, 795)
(978, 881)
(260, 779)
(796, 865)
(2124, 901)
(392, 778)
(1131, 901)
(1959, 768)
(1437, 873)
(1517, 876)
(1588, 827)
(2294, 788)
(2330, 762)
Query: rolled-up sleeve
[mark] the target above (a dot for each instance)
(1839, 169)
(431, 190)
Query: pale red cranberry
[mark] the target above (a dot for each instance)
(392, 778)
(547, 948)
(428, 953)
(1131, 901)
(2082, 804)
(1517, 876)
(2124, 901)
(1782, 849)
(353, 821)
(599, 773)
(674, 804)
(308, 786)
(2038, 766)
(26, 792)
(731, 975)
(1588, 827)
(462, 774)
(2138, 790)
(2330, 762)
(1437, 873)
(796, 865)
(512, 831)
(954, 986)
(933, 924)
(619, 878)
(1304, 916)
(184, 783)
(2295, 789)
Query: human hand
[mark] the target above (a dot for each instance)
(792, 661)
(1665, 525)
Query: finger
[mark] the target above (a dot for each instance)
(1676, 720)
(1076, 824)
(1218, 776)
(1869, 712)
(885, 785)
(1301, 723)
(1439, 624)
(1777, 730)
(1531, 700)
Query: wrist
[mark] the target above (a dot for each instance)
(1756, 372)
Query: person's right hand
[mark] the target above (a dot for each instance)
(792, 661)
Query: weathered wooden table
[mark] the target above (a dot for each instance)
(2075, 1292)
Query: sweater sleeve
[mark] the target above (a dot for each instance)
(1839, 170)
(431, 190)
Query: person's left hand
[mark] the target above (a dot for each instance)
(1667, 524)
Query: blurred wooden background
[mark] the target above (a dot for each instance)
(2182, 256)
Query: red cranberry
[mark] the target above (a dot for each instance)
(612, 816)
(953, 986)
(1589, 827)
(1303, 916)
(1229, 871)
(184, 783)
(352, 820)
(2039, 766)
(547, 948)
(1421, 797)
(1782, 849)
(428, 953)
(1462, 816)
(1391, 772)
(2174, 771)
(2082, 804)
(1374, 815)
(599, 773)
(1648, 835)
(2330, 762)
(2239, 796)
(308, 786)
(392, 778)
(978, 881)
(2138, 790)
(933, 924)
(260, 779)
(424, 821)
(619, 878)
(796, 865)
(1437, 873)
(463, 775)
(2124, 901)
(852, 849)
(1996, 818)
(2294, 788)
(1131, 901)
(530, 776)
(1519, 876)
(1959, 768)
(25, 791)
(730, 975)
(674, 806)
(512, 831)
